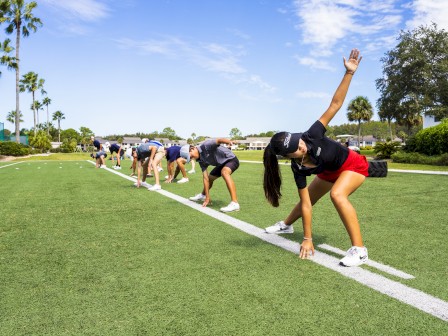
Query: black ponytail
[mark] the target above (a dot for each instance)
(272, 181)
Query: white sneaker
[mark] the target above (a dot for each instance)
(155, 187)
(103, 166)
(355, 256)
(191, 171)
(159, 169)
(198, 197)
(183, 180)
(117, 167)
(280, 227)
(233, 206)
(146, 184)
(167, 177)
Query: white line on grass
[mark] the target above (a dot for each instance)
(12, 164)
(411, 296)
(377, 265)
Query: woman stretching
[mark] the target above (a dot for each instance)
(339, 171)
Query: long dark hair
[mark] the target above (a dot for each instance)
(272, 180)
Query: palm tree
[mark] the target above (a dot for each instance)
(21, 20)
(5, 59)
(359, 109)
(11, 117)
(31, 83)
(37, 107)
(58, 115)
(47, 101)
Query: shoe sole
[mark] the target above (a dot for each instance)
(344, 265)
(279, 232)
(229, 211)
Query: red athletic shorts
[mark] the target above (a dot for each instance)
(355, 162)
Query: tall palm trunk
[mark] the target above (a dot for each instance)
(59, 130)
(48, 122)
(34, 113)
(17, 84)
(359, 133)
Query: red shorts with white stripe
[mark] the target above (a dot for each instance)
(355, 162)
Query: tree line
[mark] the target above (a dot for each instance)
(414, 82)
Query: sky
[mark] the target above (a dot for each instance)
(206, 66)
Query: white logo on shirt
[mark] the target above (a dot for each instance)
(318, 151)
(287, 139)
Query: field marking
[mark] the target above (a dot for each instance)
(411, 296)
(12, 164)
(385, 268)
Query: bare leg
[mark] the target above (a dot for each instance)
(317, 189)
(345, 185)
(226, 173)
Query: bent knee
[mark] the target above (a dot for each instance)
(338, 196)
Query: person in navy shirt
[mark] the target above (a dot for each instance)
(116, 148)
(172, 155)
(100, 154)
(339, 171)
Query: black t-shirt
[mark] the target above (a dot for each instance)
(325, 153)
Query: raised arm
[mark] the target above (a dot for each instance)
(224, 141)
(339, 96)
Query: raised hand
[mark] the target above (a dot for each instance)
(353, 61)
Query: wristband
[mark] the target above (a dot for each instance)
(349, 72)
(306, 238)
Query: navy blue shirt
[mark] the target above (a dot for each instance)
(325, 153)
(114, 148)
(97, 144)
(173, 153)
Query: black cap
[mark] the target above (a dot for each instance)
(284, 143)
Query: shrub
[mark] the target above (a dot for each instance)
(384, 150)
(417, 158)
(13, 149)
(433, 140)
(40, 141)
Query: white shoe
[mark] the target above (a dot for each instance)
(117, 167)
(159, 169)
(167, 177)
(280, 227)
(355, 256)
(191, 171)
(155, 187)
(198, 197)
(183, 180)
(146, 184)
(103, 166)
(233, 206)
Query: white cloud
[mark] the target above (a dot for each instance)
(222, 59)
(86, 10)
(313, 95)
(314, 63)
(325, 24)
(427, 11)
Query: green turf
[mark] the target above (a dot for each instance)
(82, 252)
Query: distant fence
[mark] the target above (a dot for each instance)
(3, 137)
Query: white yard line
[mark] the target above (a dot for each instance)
(414, 297)
(385, 268)
(12, 164)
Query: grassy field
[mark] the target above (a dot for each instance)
(82, 252)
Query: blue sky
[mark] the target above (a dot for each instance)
(206, 66)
